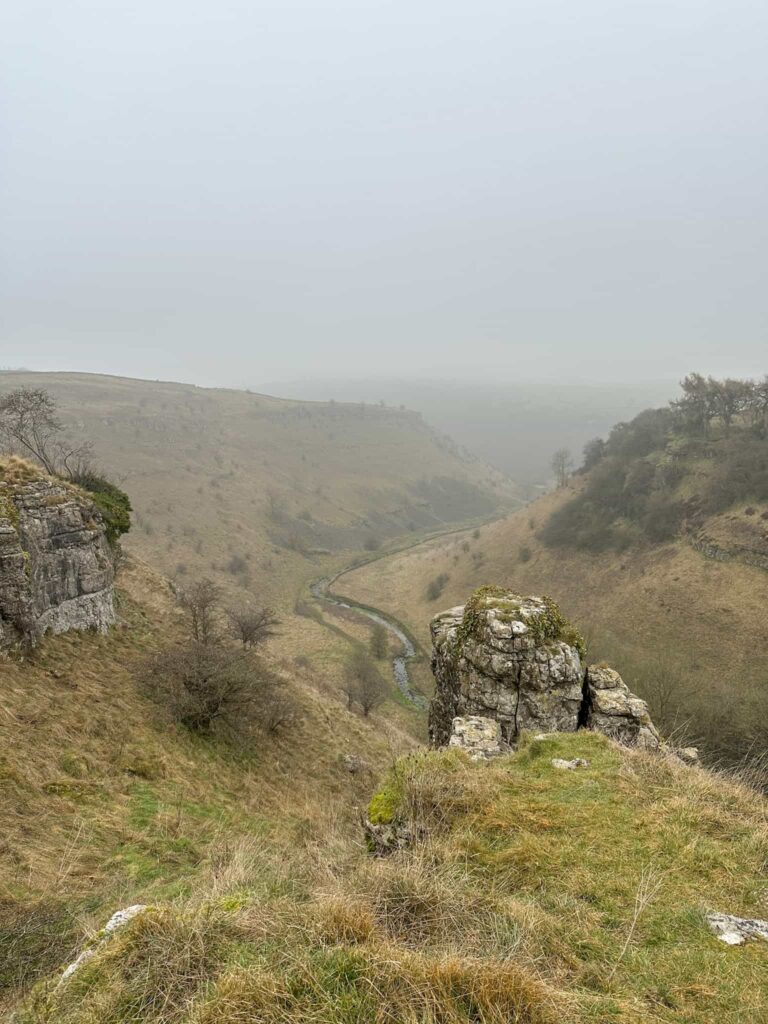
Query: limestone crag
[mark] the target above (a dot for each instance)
(56, 568)
(612, 709)
(517, 661)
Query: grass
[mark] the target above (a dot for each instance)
(106, 803)
(534, 895)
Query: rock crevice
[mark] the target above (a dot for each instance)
(516, 661)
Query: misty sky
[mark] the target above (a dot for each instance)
(240, 191)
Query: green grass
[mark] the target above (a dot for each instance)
(534, 895)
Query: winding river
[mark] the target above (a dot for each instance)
(321, 590)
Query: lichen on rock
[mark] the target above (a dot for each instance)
(56, 566)
(518, 661)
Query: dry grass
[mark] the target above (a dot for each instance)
(687, 633)
(544, 896)
(15, 471)
(106, 803)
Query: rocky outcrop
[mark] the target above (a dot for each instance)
(517, 661)
(610, 708)
(56, 569)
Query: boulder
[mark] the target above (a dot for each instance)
(509, 658)
(569, 766)
(117, 921)
(736, 930)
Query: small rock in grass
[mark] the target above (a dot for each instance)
(577, 762)
(736, 930)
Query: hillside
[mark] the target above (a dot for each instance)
(535, 895)
(106, 800)
(260, 492)
(669, 582)
(515, 425)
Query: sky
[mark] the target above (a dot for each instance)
(235, 192)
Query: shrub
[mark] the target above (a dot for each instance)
(363, 683)
(436, 586)
(113, 503)
(203, 685)
(379, 642)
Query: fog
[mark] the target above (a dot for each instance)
(239, 192)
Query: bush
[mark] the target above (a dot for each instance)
(379, 642)
(436, 586)
(363, 683)
(204, 685)
(113, 503)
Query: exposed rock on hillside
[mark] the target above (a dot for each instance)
(516, 660)
(479, 737)
(56, 570)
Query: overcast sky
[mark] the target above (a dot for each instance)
(239, 191)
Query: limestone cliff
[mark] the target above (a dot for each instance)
(56, 568)
(517, 661)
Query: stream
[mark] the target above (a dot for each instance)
(321, 590)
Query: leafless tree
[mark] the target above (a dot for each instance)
(252, 626)
(29, 426)
(562, 464)
(203, 685)
(379, 642)
(201, 601)
(363, 684)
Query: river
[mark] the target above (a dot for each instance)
(321, 590)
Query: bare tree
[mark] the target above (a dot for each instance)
(201, 601)
(252, 626)
(363, 684)
(204, 684)
(379, 642)
(28, 426)
(562, 464)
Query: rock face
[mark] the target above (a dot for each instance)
(517, 661)
(612, 709)
(479, 737)
(56, 569)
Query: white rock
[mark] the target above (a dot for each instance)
(571, 766)
(734, 931)
(118, 919)
(480, 737)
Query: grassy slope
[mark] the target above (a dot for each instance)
(656, 612)
(203, 465)
(105, 802)
(536, 896)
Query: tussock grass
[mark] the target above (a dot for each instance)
(543, 896)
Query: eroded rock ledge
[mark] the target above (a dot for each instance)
(517, 661)
(56, 568)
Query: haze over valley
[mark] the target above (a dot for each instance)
(383, 513)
